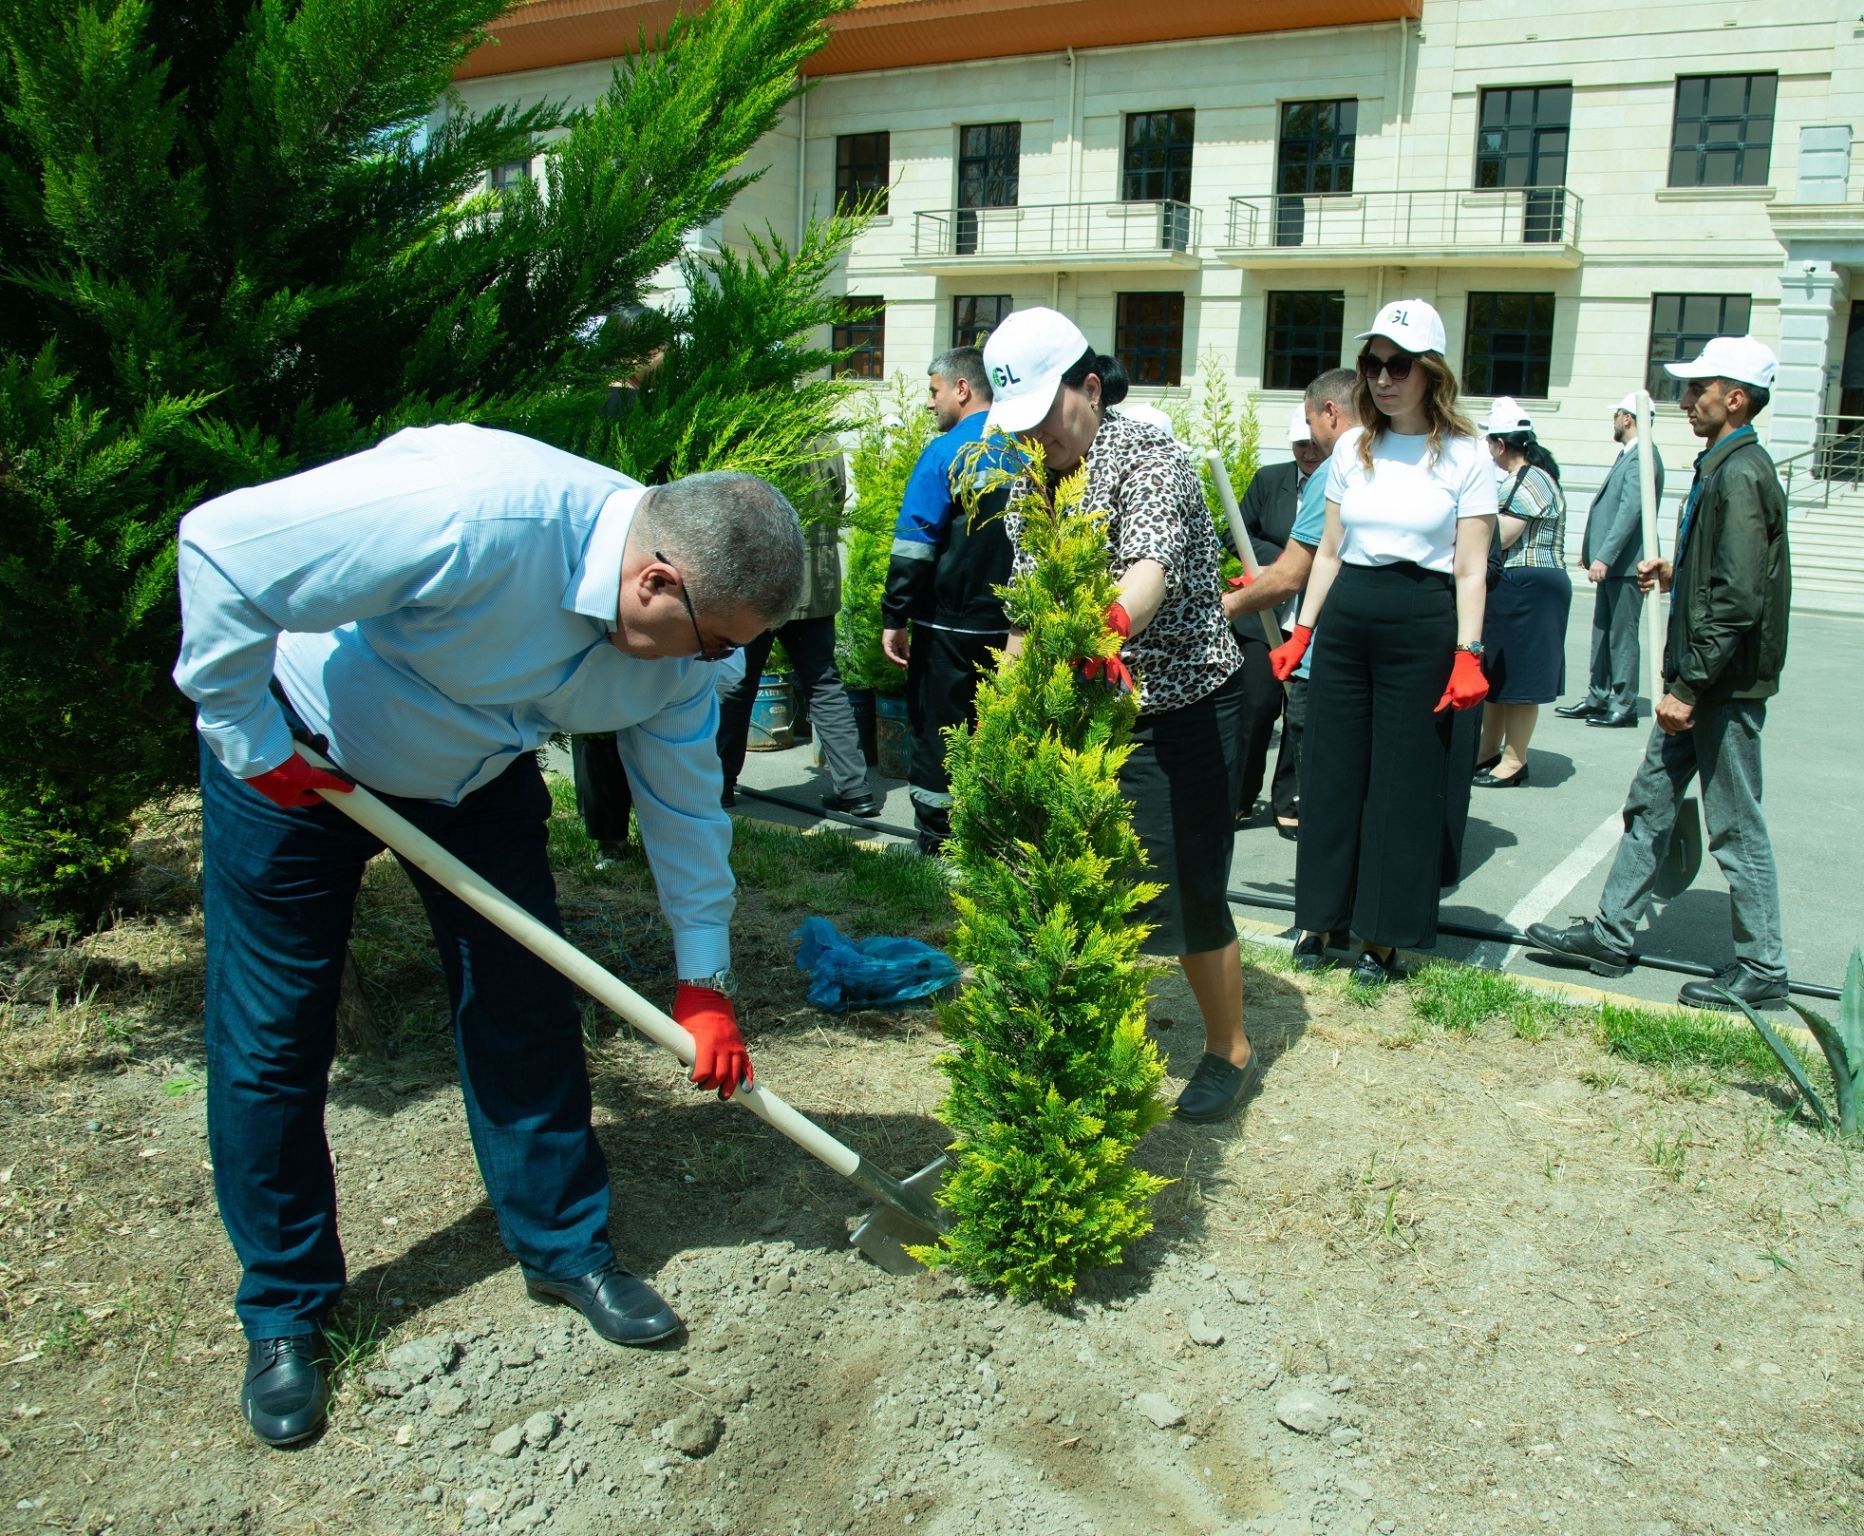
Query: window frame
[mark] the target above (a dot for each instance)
(1280, 367)
(1133, 341)
(1523, 358)
(855, 176)
(865, 339)
(1741, 148)
(962, 336)
(1160, 160)
(1688, 341)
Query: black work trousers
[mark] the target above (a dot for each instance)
(1262, 706)
(943, 667)
(1372, 807)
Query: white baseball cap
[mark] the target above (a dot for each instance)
(1025, 358)
(1628, 405)
(1741, 359)
(1298, 429)
(1506, 416)
(1409, 323)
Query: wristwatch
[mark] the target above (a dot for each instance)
(1474, 647)
(725, 981)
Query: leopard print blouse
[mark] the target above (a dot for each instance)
(1145, 479)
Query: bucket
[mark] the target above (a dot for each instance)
(770, 714)
(892, 736)
(861, 701)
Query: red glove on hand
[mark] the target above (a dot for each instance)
(1244, 580)
(1111, 668)
(1287, 656)
(294, 783)
(1467, 686)
(719, 1058)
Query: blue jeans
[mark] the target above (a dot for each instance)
(279, 888)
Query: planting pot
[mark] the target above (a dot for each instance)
(771, 714)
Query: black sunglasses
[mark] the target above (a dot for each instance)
(708, 653)
(1397, 367)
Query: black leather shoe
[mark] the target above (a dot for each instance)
(1579, 942)
(862, 804)
(1490, 781)
(284, 1396)
(1217, 1089)
(1487, 764)
(1310, 950)
(1622, 722)
(1763, 994)
(1583, 710)
(1370, 971)
(1288, 830)
(620, 1307)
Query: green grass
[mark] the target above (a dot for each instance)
(1461, 999)
(1728, 1046)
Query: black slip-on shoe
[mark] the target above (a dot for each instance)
(284, 1396)
(1311, 950)
(862, 804)
(1491, 781)
(1217, 1089)
(1764, 994)
(1488, 764)
(1622, 722)
(1583, 710)
(1370, 971)
(1579, 942)
(621, 1307)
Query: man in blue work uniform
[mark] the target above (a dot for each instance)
(946, 566)
(432, 611)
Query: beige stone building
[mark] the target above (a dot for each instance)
(1582, 190)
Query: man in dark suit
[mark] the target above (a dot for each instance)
(1613, 545)
(1269, 507)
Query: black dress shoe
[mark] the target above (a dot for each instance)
(1580, 942)
(1763, 994)
(1217, 1089)
(1622, 722)
(1583, 710)
(1310, 950)
(1488, 763)
(284, 1396)
(620, 1307)
(1490, 781)
(1370, 971)
(861, 804)
(1291, 830)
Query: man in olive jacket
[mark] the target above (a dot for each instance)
(1730, 587)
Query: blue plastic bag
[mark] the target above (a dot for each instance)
(872, 973)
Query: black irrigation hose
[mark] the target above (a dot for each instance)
(1506, 936)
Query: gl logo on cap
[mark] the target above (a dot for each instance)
(1002, 375)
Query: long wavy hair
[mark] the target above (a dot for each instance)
(1439, 409)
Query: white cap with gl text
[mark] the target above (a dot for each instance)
(1739, 359)
(1506, 417)
(1298, 429)
(1409, 323)
(1024, 359)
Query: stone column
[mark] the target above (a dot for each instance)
(1810, 291)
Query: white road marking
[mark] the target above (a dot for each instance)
(1553, 887)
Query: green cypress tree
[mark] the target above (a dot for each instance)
(1053, 1078)
(888, 441)
(232, 246)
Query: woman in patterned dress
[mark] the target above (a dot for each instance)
(1051, 388)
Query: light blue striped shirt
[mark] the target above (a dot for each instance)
(436, 606)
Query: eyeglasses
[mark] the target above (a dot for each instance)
(707, 652)
(1397, 367)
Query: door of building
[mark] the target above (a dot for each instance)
(1521, 142)
(1313, 155)
(989, 169)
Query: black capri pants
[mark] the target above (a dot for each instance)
(1373, 761)
(1182, 780)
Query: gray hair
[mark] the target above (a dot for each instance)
(965, 363)
(1336, 384)
(736, 538)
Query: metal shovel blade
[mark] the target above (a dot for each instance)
(908, 1213)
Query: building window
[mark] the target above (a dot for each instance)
(863, 170)
(975, 315)
(1314, 155)
(1148, 337)
(989, 168)
(1508, 344)
(1157, 165)
(1681, 324)
(1305, 331)
(862, 335)
(508, 173)
(1724, 130)
(1521, 142)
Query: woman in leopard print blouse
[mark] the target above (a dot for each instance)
(1185, 771)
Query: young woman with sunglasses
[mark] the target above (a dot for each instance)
(1401, 574)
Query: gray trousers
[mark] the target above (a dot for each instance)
(810, 645)
(1616, 609)
(1722, 752)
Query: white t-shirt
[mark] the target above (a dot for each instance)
(1407, 508)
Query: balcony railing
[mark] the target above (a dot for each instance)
(1053, 230)
(1836, 456)
(1439, 220)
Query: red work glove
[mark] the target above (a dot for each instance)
(1467, 686)
(1244, 580)
(294, 783)
(719, 1058)
(1287, 656)
(1111, 668)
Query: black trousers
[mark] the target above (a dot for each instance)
(941, 691)
(1262, 706)
(810, 645)
(603, 798)
(1285, 792)
(1372, 817)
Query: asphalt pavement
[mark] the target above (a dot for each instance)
(1541, 852)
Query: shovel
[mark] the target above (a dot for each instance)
(1682, 858)
(906, 1213)
(1245, 551)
